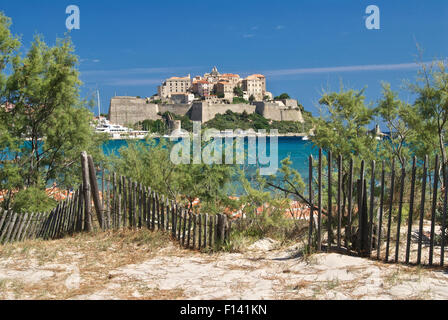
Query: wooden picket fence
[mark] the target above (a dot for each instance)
(129, 204)
(65, 219)
(119, 203)
(370, 220)
(367, 220)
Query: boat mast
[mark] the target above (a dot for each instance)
(99, 103)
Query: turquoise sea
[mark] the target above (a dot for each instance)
(294, 147)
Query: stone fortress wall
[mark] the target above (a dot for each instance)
(130, 110)
(274, 112)
(203, 111)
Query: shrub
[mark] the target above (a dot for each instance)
(32, 199)
(245, 121)
(239, 100)
(282, 96)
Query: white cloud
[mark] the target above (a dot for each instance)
(358, 68)
(89, 60)
(279, 27)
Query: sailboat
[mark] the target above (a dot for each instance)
(305, 137)
(104, 126)
(115, 131)
(99, 103)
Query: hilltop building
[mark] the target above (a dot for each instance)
(224, 88)
(255, 85)
(174, 85)
(202, 97)
(215, 84)
(213, 76)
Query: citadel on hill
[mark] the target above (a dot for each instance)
(203, 97)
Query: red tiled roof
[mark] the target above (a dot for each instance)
(230, 75)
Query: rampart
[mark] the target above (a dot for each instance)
(130, 110)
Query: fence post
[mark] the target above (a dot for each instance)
(380, 218)
(108, 203)
(310, 186)
(400, 210)
(372, 205)
(4, 223)
(319, 201)
(11, 227)
(141, 210)
(34, 225)
(330, 203)
(2, 219)
(184, 225)
(194, 230)
(163, 212)
(363, 233)
(19, 227)
(339, 212)
(115, 212)
(190, 218)
(144, 206)
(153, 211)
(130, 201)
(124, 194)
(205, 230)
(199, 231)
(422, 211)
(168, 213)
(173, 219)
(348, 227)
(103, 199)
(391, 207)
(220, 228)
(178, 222)
(86, 192)
(25, 229)
(361, 192)
(433, 210)
(210, 232)
(80, 210)
(411, 209)
(228, 229)
(445, 206)
(95, 191)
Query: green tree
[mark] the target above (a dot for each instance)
(343, 125)
(282, 96)
(342, 128)
(394, 112)
(428, 117)
(237, 100)
(155, 126)
(45, 125)
(150, 163)
(238, 91)
(33, 199)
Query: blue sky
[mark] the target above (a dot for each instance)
(129, 47)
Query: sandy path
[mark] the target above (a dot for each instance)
(277, 275)
(263, 272)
